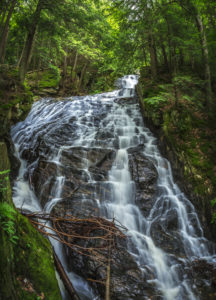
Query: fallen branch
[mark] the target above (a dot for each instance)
(93, 237)
(70, 230)
(65, 279)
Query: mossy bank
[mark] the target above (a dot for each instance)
(15, 99)
(26, 266)
(176, 112)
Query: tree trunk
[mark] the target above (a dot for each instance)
(181, 59)
(3, 14)
(174, 60)
(65, 66)
(170, 48)
(26, 58)
(5, 30)
(144, 55)
(204, 46)
(38, 71)
(21, 55)
(74, 65)
(152, 56)
(82, 75)
(3, 46)
(64, 73)
(165, 60)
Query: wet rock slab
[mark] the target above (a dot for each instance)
(203, 276)
(127, 281)
(144, 175)
(80, 167)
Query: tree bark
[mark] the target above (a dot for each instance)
(3, 46)
(3, 14)
(5, 30)
(21, 55)
(74, 65)
(181, 59)
(165, 60)
(64, 73)
(170, 48)
(153, 57)
(82, 75)
(27, 51)
(205, 55)
(204, 47)
(144, 55)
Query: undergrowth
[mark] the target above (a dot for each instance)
(179, 109)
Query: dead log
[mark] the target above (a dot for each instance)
(67, 283)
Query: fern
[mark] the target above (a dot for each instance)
(213, 202)
(7, 211)
(4, 172)
(8, 221)
(156, 100)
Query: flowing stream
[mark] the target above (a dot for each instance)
(55, 129)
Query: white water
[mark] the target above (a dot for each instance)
(127, 128)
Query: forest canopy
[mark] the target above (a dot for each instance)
(86, 40)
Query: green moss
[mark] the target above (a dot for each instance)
(15, 99)
(8, 221)
(27, 268)
(49, 79)
(5, 188)
(34, 260)
(7, 278)
(187, 127)
(26, 258)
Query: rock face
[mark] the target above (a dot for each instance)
(126, 279)
(86, 172)
(73, 166)
(86, 159)
(203, 275)
(144, 175)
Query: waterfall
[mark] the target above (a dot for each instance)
(111, 122)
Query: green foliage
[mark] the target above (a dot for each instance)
(156, 101)
(8, 221)
(112, 38)
(4, 178)
(5, 190)
(188, 131)
(55, 71)
(24, 252)
(7, 212)
(182, 80)
(50, 78)
(213, 202)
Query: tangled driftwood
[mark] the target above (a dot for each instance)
(71, 231)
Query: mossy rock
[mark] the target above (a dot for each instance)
(34, 261)
(5, 188)
(26, 266)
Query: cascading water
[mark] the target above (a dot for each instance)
(75, 127)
